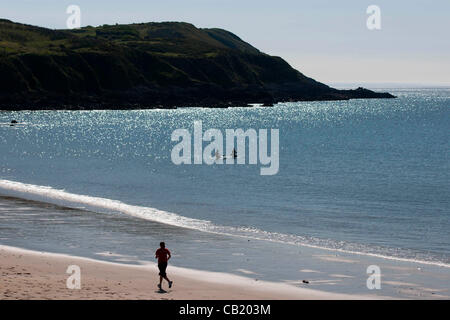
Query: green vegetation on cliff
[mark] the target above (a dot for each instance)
(145, 65)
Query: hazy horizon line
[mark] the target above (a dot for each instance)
(389, 84)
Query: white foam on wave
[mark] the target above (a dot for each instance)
(71, 200)
(63, 198)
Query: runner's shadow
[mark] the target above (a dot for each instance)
(161, 291)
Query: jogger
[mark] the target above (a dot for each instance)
(163, 256)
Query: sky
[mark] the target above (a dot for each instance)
(324, 39)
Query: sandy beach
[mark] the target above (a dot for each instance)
(29, 274)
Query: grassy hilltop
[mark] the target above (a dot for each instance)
(143, 66)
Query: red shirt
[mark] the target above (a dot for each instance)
(162, 254)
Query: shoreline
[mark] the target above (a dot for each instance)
(328, 274)
(120, 106)
(34, 194)
(28, 274)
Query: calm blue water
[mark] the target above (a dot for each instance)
(368, 176)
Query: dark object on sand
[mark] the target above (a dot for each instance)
(305, 281)
(13, 121)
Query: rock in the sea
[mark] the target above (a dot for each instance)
(13, 121)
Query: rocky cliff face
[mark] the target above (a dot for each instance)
(147, 65)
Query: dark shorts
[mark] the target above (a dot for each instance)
(162, 268)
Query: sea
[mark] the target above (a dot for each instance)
(358, 180)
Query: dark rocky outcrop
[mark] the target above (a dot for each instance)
(146, 65)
